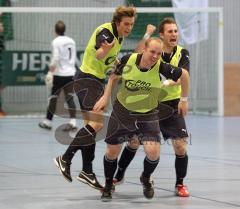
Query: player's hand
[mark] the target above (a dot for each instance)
(104, 49)
(100, 104)
(170, 82)
(49, 79)
(183, 108)
(150, 29)
(51, 68)
(107, 46)
(117, 61)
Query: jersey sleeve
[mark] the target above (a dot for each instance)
(72, 51)
(170, 72)
(119, 68)
(103, 35)
(184, 62)
(55, 54)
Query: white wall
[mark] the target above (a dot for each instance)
(231, 28)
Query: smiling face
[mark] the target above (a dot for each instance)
(169, 35)
(125, 26)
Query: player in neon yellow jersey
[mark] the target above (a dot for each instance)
(173, 127)
(134, 116)
(99, 56)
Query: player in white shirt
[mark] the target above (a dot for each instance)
(60, 76)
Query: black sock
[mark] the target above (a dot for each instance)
(110, 167)
(88, 154)
(126, 158)
(149, 167)
(84, 137)
(181, 163)
(52, 106)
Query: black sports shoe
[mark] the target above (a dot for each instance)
(90, 179)
(64, 167)
(44, 126)
(148, 190)
(107, 193)
(119, 177)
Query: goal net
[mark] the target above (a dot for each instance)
(27, 53)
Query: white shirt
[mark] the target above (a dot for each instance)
(63, 56)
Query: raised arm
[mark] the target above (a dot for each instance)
(104, 42)
(149, 31)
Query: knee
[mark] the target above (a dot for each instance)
(111, 155)
(97, 126)
(180, 147)
(153, 155)
(112, 152)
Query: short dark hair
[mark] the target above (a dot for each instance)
(167, 20)
(123, 11)
(60, 28)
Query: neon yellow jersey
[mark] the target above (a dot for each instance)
(91, 64)
(139, 90)
(173, 92)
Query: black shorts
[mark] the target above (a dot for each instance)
(123, 125)
(174, 126)
(62, 83)
(88, 89)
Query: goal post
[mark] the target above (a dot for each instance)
(26, 56)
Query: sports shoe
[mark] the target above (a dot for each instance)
(44, 126)
(69, 127)
(148, 190)
(118, 178)
(90, 179)
(112, 189)
(181, 191)
(64, 167)
(107, 193)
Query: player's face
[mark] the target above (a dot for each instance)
(124, 27)
(153, 52)
(170, 35)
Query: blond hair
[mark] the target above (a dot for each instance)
(123, 11)
(148, 41)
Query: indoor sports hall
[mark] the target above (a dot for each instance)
(28, 176)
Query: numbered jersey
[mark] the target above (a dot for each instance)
(63, 56)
